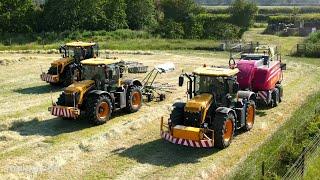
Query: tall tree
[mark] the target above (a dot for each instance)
(14, 15)
(115, 12)
(243, 13)
(179, 10)
(140, 13)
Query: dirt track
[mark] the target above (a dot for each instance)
(34, 144)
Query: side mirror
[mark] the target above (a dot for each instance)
(60, 50)
(181, 80)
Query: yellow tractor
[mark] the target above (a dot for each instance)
(66, 70)
(100, 93)
(214, 110)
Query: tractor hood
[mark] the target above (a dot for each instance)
(81, 87)
(198, 103)
(61, 61)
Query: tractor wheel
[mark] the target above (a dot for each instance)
(162, 97)
(177, 114)
(250, 115)
(224, 126)
(134, 99)
(275, 98)
(68, 77)
(98, 108)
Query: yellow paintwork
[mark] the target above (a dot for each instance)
(190, 133)
(80, 44)
(62, 61)
(99, 61)
(215, 71)
(198, 103)
(81, 87)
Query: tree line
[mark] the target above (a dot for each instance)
(165, 18)
(262, 2)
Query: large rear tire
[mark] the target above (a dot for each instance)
(99, 109)
(224, 126)
(134, 99)
(250, 115)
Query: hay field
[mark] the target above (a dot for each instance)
(36, 145)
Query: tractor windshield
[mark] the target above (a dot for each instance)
(74, 52)
(208, 84)
(91, 72)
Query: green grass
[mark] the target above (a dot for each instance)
(287, 44)
(269, 151)
(312, 169)
(129, 44)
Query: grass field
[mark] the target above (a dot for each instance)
(34, 144)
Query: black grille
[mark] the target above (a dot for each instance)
(70, 98)
(192, 119)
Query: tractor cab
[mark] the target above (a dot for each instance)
(221, 83)
(79, 50)
(106, 73)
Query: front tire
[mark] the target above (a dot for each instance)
(99, 109)
(134, 99)
(224, 126)
(177, 114)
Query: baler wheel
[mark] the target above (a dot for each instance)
(275, 98)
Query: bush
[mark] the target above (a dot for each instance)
(243, 13)
(292, 19)
(171, 29)
(221, 31)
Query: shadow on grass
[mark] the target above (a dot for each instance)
(38, 89)
(51, 127)
(261, 113)
(163, 153)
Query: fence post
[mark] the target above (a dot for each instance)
(263, 168)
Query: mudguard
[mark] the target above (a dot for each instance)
(225, 110)
(99, 92)
(246, 95)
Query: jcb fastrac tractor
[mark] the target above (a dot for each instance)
(100, 93)
(66, 70)
(214, 110)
